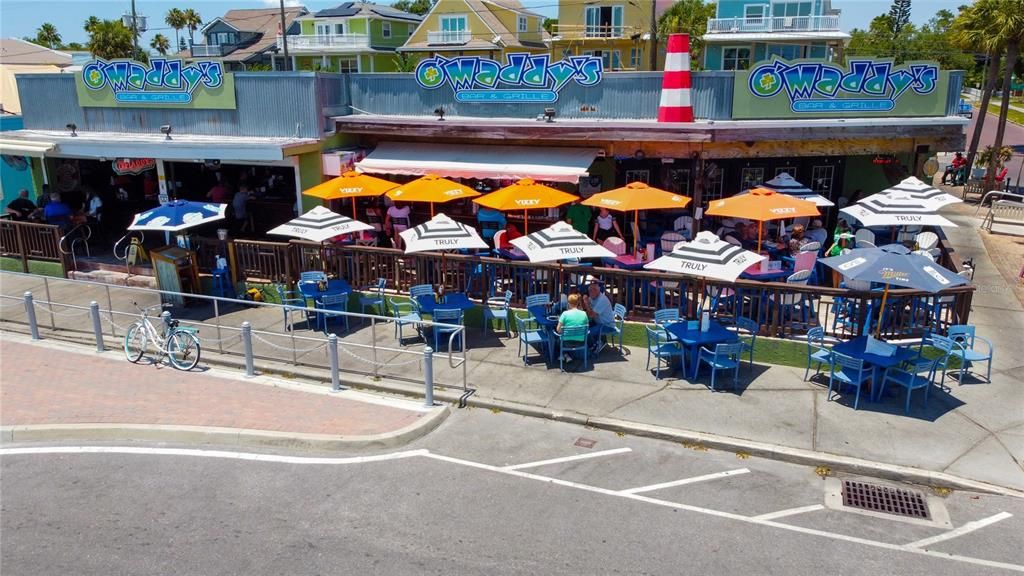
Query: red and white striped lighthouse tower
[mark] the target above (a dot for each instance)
(675, 85)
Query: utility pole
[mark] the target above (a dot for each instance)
(284, 38)
(654, 35)
(135, 28)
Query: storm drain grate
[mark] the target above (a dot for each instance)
(884, 499)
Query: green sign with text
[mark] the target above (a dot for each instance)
(861, 89)
(160, 84)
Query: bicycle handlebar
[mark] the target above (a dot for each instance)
(148, 308)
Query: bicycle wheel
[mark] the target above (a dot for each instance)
(135, 341)
(183, 350)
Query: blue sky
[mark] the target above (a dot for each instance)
(21, 17)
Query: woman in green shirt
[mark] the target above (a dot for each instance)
(573, 316)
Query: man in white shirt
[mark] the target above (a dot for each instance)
(602, 315)
(816, 233)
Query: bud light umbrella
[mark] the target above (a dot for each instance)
(894, 264)
(525, 195)
(320, 224)
(178, 215)
(441, 233)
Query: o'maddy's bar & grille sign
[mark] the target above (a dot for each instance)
(160, 84)
(863, 88)
(523, 78)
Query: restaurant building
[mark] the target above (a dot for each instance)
(842, 130)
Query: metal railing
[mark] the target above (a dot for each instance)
(595, 31)
(209, 314)
(77, 236)
(774, 24)
(302, 42)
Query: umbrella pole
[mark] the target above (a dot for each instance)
(431, 209)
(636, 228)
(444, 269)
(526, 222)
(759, 224)
(881, 312)
(354, 208)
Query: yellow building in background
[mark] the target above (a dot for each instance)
(488, 28)
(619, 32)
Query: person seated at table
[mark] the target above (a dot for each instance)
(571, 318)
(605, 226)
(816, 232)
(21, 207)
(57, 212)
(396, 220)
(602, 316)
(796, 240)
(736, 234)
(219, 193)
(954, 167)
(511, 233)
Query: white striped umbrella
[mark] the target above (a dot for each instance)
(707, 257)
(441, 233)
(559, 242)
(918, 190)
(320, 224)
(896, 209)
(786, 184)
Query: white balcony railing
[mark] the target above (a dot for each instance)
(584, 32)
(321, 42)
(211, 50)
(774, 24)
(448, 36)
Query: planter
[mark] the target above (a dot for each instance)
(977, 173)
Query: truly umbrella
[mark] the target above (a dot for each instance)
(441, 233)
(896, 209)
(706, 256)
(637, 196)
(559, 242)
(893, 264)
(918, 190)
(524, 195)
(320, 224)
(352, 185)
(178, 215)
(431, 188)
(761, 205)
(786, 184)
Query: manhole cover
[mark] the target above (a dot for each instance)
(585, 442)
(885, 499)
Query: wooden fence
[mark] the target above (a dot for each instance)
(30, 241)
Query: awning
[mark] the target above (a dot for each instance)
(25, 147)
(469, 161)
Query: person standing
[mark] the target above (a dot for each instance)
(397, 220)
(606, 226)
(240, 206)
(219, 193)
(578, 216)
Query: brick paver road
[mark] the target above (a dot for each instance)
(41, 385)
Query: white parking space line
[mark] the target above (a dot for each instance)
(252, 456)
(789, 512)
(965, 529)
(686, 481)
(568, 459)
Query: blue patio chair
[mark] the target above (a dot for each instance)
(724, 357)
(335, 303)
(851, 371)
(965, 338)
(447, 316)
(660, 346)
(618, 328)
(666, 316)
(573, 339)
(537, 300)
(530, 334)
(315, 276)
(293, 302)
(498, 309)
(747, 330)
(421, 290)
(944, 345)
(816, 350)
(375, 299)
(911, 379)
(788, 302)
(404, 313)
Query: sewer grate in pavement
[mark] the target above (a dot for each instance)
(584, 442)
(876, 498)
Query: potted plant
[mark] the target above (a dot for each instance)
(985, 156)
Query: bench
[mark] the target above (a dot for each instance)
(973, 187)
(1006, 213)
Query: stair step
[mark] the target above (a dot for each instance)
(114, 278)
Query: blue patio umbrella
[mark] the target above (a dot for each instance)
(178, 215)
(894, 264)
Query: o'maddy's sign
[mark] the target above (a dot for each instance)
(133, 165)
(862, 88)
(522, 78)
(162, 83)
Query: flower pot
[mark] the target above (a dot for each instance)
(977, 173)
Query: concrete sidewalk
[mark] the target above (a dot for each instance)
(54, 391)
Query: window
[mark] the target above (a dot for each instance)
(604, 21)
(754, 12)
(634, 58)
(348, 65)
(679, 181)
(385, 29)
(791, 170)
(610, 59)
(791, 9)
(714, 178)
(821, 179)
(222, 38)
(323, 29)
(638, 176)
(339, 29)
(735, 58)
(453, 29)
(785, 51)
(522, 23)
(751, 177)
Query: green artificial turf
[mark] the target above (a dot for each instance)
(37, 267)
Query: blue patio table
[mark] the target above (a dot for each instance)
(625, 262)
(511, 254)
(455, 301)
(766, 276)
(334, 288)
(856, 349)
(548, 321)
(693, 339)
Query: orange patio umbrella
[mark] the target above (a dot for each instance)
(762, 205)
(637, 196)
(431, 188)
(352, 185)
(525, 195)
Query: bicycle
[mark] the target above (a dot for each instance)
(180, 345)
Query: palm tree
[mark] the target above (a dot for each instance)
(192, 21)
(175, 18)
(48, 36)
(690, 17)
(969, 32)
(161, 44)
(110, 39)
(1007, 29)
(90, 23)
